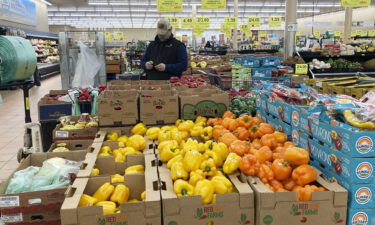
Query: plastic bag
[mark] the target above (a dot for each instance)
(22, 180)
(88, 65)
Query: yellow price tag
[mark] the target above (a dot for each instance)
(317, 34)
(302, 69)
(107, 36)
(203, 21)
(363, 33)
(174, 21)
(274, 21)
(254, 21)
(231, 21)
(118, 35)
(337, 34)
(187, 22)
(298, 33)
(262, 34)
(169, 5)
(214, 4)
(244, 28)
(355, 3)
(371, 33)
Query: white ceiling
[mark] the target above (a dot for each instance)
(143, 14)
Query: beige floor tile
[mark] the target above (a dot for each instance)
(6, 157)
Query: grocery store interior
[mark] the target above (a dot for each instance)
(180, 112)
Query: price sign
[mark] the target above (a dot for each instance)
(355, 3)
(231, 21)
(298, 33)
(337, 34)
(187, 22)
(118, 35)
(262, 34)
(107, 36)
(363, 33)
(203, 21)
(254, 21)
(169, 5)
(317, 34)
(371, 33)
(274, 21)
(214, 4)
(244, 28)
(353, 33)
(174, 21)
(302, 69)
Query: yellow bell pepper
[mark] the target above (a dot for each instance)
(137, 142)
(231, 163)
(185, 135)
(130, 151)
(135, 169)
(222, 185)
(139, 129)
(177, 158)
(143, 196)
(87, 200)
(192, 160)
(191, 145)
(117, 178)
(168, 153)
(177, 136)
(183, 188)
(208, 167)
(178, 171)
(196, 131)
(200, 119)
(214, 199)
(106, 150)
(172, 143)
(207, 133)
(196, 176)
(118, 156)
(104, 192)
(112, 136)
(201, 147)
(133, 200)
(123, 139)
(164, 128)
(164, 136)
(121, 144)
(219, 173)
(221, 149)
(210, 145)
(206, 190)
(186, 125)
(108, 207)
(152, 133)
(120, 194)
(103, 154)
(178, 122)
(95, 172)
(212, 155)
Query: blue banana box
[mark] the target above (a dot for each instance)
(360, 217)
(300, 119)
(360, 195)
(280, 125)
(263, 115)
(271, 61)
(300, 139)
(261, 102)
(337, 136)
(262, 72)
(283, 111)
(357, 170)
(251, 62)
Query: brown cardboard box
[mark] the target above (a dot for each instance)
(127, 85)
(41, 207)
(230, 208)
(276, 208)
(139, 213)
(118, 108)
(301, 79)
(156, 87)
(49, 109)
(73, 145)
(153, 82)
(207, 102)
(79, 134)
(160, 108)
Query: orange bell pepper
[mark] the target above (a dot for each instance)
(239, 147)
(245, 121)
(265, 173)
(289, 184)
(304, 174)
(277, 185)
(227, 138)
(269, 140)
(241, 133)
(229, 114)
(280, 137)
(281, 169)
(296, 156)
(263, 154)
(249, 165)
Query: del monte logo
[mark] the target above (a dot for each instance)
(364, 170)
(363, 195)
(295, 137)
(364, 145)
(360, 218)
(295, 118)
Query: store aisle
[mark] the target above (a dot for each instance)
(12, 119)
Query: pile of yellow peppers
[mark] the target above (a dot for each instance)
(117, 178)
(109, 197)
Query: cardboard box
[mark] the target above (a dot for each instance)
(361, 216)
(53, 109)
(282, 110)
(279, 125)
(138, 213)
(73, 145)
(210, 102)
(118, 108)
(158, 107)
(301, 79)
(230, 208)
(261, 102)
(39, 207)
(262, 114)
(300, 139)
(326, 207)
(79, 134)
(153, 82)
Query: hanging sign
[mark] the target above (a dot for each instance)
(244, 28)
(298, 33)
(353, 33)
(371, 33)
(214, 4)
(118, 35)
(355, 3)
(107, 36)
(169, 5)
(254, 21)
(231, 21)
(203, 22)
(274, 21)
(301, 69)
(316, 34)
(174, 21)
(187, 22)
(363, 33)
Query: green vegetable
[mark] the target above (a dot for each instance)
(240, 105)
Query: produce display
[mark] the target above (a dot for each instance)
(47, 51)
(85, 121)
(243, 105)
(188, 81)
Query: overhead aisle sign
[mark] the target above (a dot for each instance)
(214, 4)
(355, 3)
(169, 5)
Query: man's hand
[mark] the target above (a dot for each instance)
(160, 67)
(149, 65)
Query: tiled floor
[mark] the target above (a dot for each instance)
(12, 120)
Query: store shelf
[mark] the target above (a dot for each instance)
(309, 56)
(258, 51)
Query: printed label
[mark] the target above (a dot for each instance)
(364, 170)
(295, 118)
(114, 220)
(295, 137)
(364, 145)
(9, 201)
(12, 218)
(209, 212)
(363, 195)
(360, 218)
(62, 134)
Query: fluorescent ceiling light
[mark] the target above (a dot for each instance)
(103, 9)
(46, 2)
(85, 9)
(67, 9)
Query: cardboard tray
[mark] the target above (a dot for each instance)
(73, 145)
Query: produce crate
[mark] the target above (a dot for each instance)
(73, 145)
(50, 109)
(78, 134)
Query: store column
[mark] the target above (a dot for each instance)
(348, 24)
(194, 15)
(290, 27)
(235, 44)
